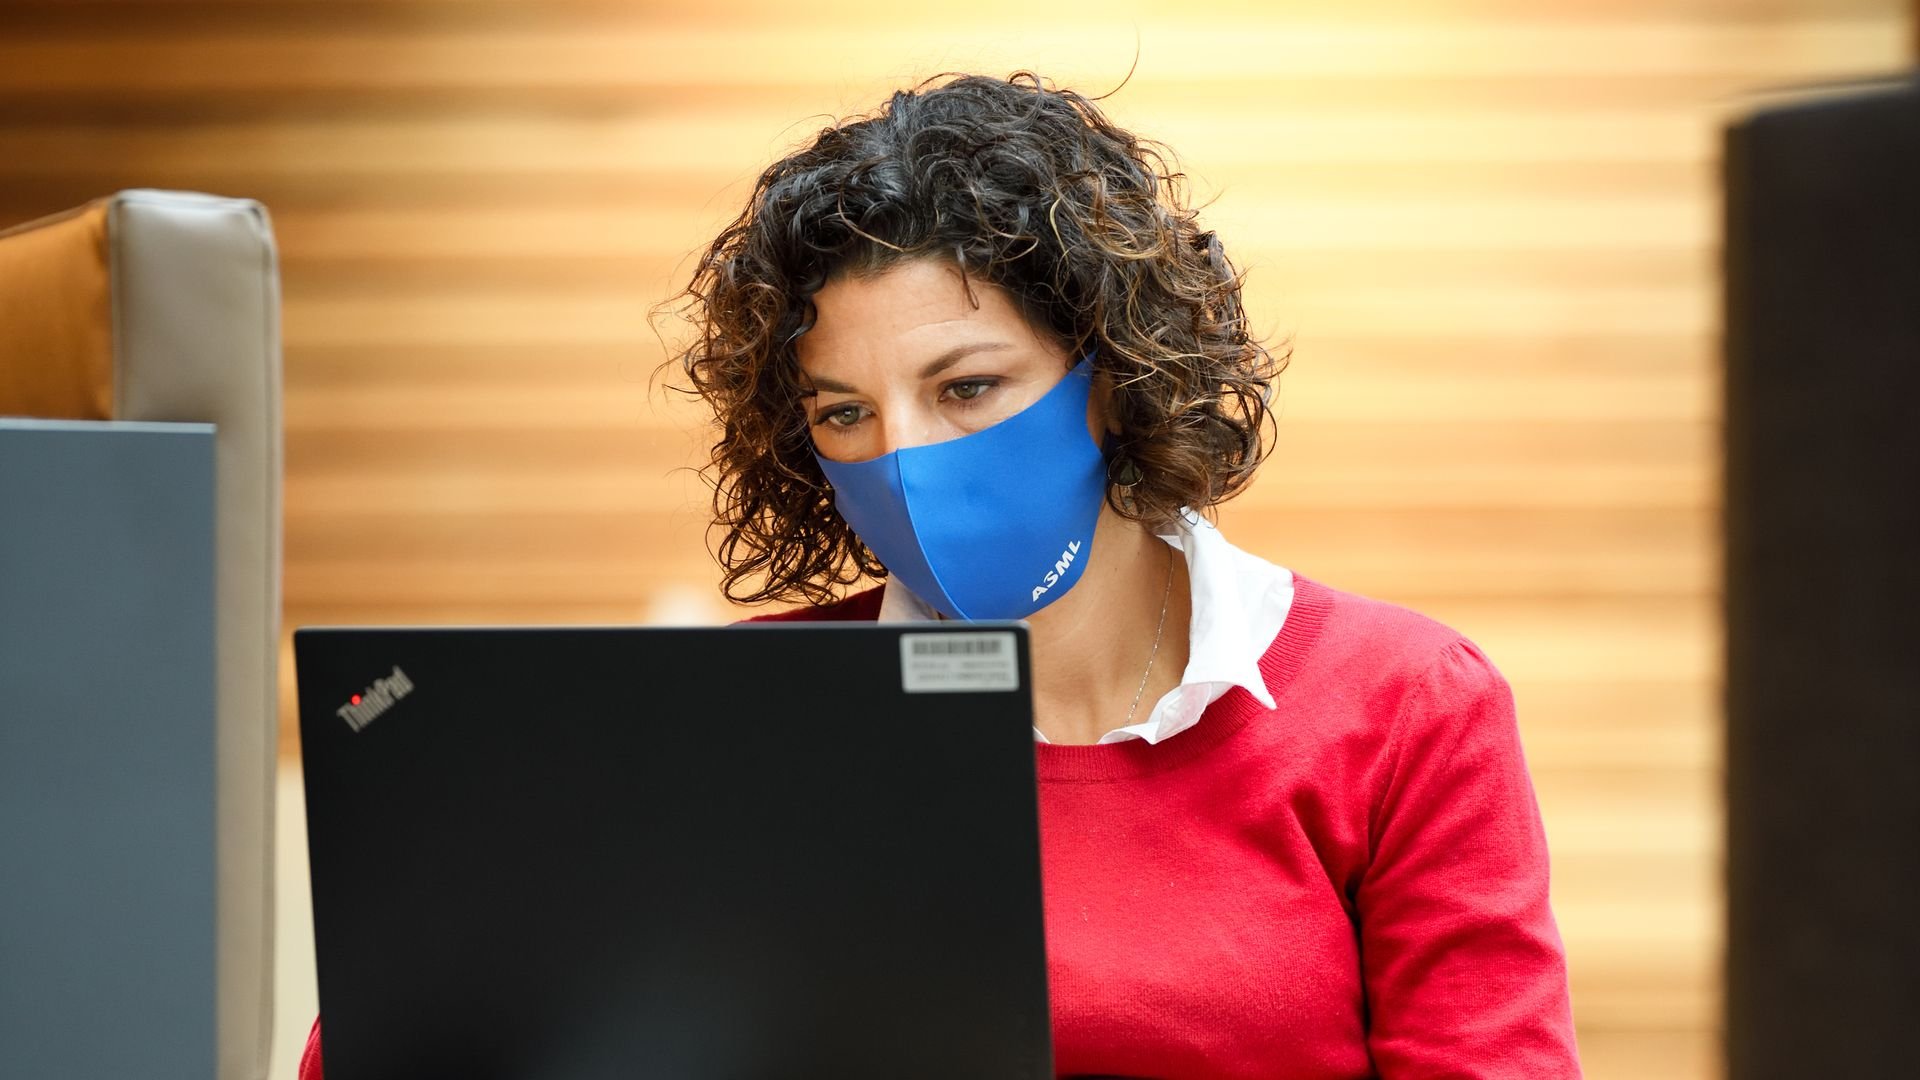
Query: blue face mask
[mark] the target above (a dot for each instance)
(993, 525)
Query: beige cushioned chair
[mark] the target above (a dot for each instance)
(165, 306)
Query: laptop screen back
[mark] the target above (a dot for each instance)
(766, 851)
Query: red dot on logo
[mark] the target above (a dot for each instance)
(356, 699)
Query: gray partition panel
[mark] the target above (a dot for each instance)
(1822, 526)
(106, 750)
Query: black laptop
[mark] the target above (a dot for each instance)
(776, 850)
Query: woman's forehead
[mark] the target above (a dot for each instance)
(921, 301)
(903, 298)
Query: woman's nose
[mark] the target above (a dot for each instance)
(902, 428)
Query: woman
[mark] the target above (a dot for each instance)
(977, 347)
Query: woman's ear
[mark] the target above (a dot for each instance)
(1100, 414)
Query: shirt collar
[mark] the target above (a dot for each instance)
(1239, 602)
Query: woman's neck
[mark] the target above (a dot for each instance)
(1092, 646)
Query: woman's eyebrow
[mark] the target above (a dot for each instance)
(954, 355)
(816, 387)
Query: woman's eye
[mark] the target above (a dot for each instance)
(967, 391)
(844, 416)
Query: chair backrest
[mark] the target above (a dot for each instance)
(164, 307)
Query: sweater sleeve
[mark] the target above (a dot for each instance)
(1465, 971)
(310, 1058)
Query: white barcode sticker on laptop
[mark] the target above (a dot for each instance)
(960, 662)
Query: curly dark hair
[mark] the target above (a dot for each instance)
(1029, 187)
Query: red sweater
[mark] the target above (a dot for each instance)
(1351, 885)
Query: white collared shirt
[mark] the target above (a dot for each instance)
(1240, 601)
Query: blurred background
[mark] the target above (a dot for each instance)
(1489, 227)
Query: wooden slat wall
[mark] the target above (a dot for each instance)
(1490, 230)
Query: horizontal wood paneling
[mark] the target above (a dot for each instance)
(613, 54)
(1488, 228)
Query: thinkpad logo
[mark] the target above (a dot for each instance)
(366, 706)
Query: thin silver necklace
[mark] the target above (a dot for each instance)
(1166, 594)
